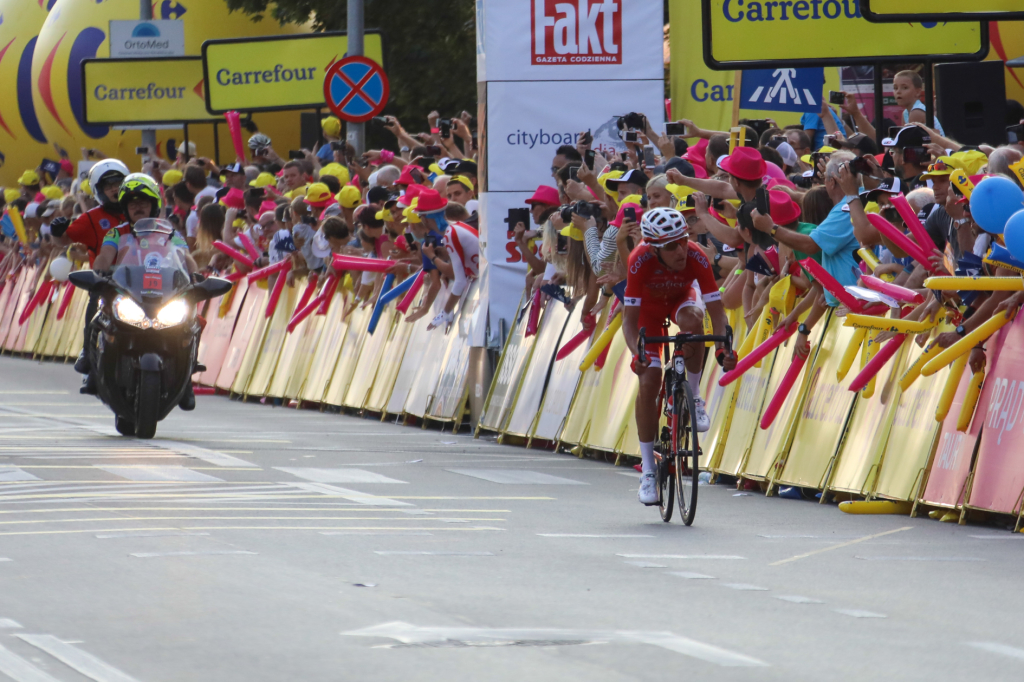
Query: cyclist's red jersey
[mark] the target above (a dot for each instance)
(649, 281)
(92, 226)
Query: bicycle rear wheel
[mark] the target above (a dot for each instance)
(687, 453)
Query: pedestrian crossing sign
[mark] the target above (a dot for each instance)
(784, 89)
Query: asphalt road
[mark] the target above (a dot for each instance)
(251, 543)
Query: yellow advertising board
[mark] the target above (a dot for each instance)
(138, 91)
(941, 10)
(754, 34)
(276, 72)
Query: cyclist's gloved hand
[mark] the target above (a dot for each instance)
(727, 360)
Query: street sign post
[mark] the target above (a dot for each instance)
(356, 89)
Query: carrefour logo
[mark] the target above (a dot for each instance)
(800, 10)
(278, 75)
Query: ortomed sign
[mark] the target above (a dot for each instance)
(138, 91)
(274, 73)
(585, 32)
(755, 34)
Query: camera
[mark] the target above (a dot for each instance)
(430, 240)
(631, 136)
(836, 97)
(583, 209)
(860, 166)
(1015, 134)
(142, 151)
(760, 125)
(445, 125)
(675, 129)
(338, 146)
(632, 121)
(383, 120)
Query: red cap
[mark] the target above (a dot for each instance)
(411, 192)
(67, 167)
(430, 202)
(744, 163)
(545, 195)
(697, 155)
(401, 244)
(784, 209)
(622, 213)
(406, 177)
(234, 199)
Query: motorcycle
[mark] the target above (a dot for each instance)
(145, 335)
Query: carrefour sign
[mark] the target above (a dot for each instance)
(756, 34)
(275, 73)
(164, 90)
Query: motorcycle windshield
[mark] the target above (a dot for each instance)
(150, 265)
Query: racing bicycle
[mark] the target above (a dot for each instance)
(678, 468)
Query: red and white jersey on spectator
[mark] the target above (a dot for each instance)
(463, 244)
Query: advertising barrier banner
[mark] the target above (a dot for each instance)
(740, 33)
(275, 73)
(998, 475)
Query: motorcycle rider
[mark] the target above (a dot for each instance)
(139, 198)
(90, 228)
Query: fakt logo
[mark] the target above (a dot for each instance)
(578, 32)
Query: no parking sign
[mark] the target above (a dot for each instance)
(356, 89)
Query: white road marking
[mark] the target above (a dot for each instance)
(2, 559)
(795, 599)
(585, 535)
(744, 587)
(170, 472)
(516, 477)
(410, 634)
(213, 457)
(691, 576)
(1007, 536)
(682, 556)
(212, 552)
(9, 624)
(919, 558)
(439, 553)
(8, 473)
(367, 532)
(858, 613)
(147, 534)
(83, 662)
(338, 475)
(353, 495)
(645, 564)
(997, 648)
(20, 670)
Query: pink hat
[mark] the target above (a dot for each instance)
(697, 155)
(545, 195)
(267, 207)
(67, 166)
(406, 178)
(430, 202)
(744, 163)
(775, 182)
(783, 209)
(622, 213)
(234, 199)
(411, 192)
(773, 171)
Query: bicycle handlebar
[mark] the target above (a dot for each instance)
(681, 338)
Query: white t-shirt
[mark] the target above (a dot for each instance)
(192, 222)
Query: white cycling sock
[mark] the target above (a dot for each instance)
(647, 455)
(694, 379)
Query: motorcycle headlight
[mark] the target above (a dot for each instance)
(128, 311)
(174, 313)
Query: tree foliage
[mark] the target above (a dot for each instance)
(429, 50)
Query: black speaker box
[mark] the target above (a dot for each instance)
(971, 101)
(309, 129)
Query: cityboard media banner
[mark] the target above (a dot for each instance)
(941, 10)
(275, 73)
(549, 70)
(748, 33)
(144, 91)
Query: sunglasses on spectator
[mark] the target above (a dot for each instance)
(939, 166)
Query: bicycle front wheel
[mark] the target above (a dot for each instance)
(687, 453)
(666, 488)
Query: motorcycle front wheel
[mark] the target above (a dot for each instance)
(148, 404)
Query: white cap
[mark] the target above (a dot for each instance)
(32, 210)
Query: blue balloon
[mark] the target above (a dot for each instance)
(1013, 235)
(993, 201)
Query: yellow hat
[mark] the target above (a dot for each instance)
(12, 195)
(318, 195)
(824, 150)
(338, 171)
(298, 192)
(52, 192)
(28, 178)
(572, 232)
(603, 181)
(85, 187)
(349, 196)
(409, 214)
(239, 222)
(172, 177)
(262, 180)
(331, 126)
(383, 214)
(971, 162)
(464, 181)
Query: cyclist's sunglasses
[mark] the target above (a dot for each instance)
(672, 246)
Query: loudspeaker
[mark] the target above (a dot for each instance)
(971, 101)
(309, 130)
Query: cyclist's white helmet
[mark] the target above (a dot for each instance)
(663, 225)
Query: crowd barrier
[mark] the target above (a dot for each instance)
(882, 443)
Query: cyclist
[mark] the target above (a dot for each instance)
(668, 279)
